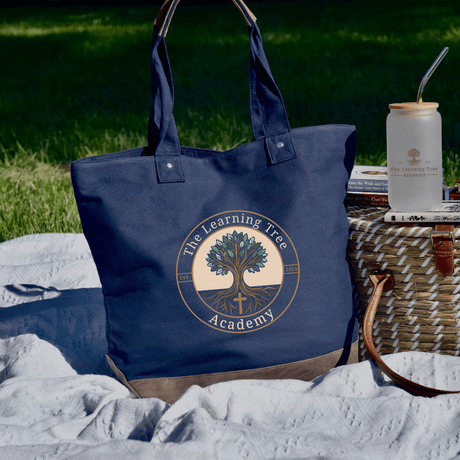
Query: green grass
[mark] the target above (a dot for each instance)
(36, 198)
(75, 82)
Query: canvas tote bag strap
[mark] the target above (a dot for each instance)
(384, 281)
(162, 22)
(268, 114)
(168, 8)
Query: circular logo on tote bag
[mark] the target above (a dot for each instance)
(237, 271)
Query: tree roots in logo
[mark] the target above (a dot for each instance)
(241, 299)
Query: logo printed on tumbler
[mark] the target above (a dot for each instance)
(414, 154)
(237, 271)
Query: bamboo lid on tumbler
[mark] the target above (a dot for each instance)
(413, 105)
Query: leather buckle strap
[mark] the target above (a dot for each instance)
(435, 234)
(443, 241)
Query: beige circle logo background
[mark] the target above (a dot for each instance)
(204, 279)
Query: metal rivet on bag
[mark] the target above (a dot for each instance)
(280, 145)
(169, 165)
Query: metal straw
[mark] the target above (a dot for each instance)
(430, 72)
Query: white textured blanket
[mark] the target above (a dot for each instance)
(58, 399)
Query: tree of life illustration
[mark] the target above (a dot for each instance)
(237, 253)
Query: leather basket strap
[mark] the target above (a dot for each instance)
(443, 240)
(164, 16)
(385, 281)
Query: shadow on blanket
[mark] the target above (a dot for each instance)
(72, 320)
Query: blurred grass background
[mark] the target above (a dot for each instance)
(74, 82)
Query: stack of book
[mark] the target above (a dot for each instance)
(368, 186)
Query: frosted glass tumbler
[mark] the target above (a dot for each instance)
(414, 156)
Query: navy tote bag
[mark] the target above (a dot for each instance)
(222, 265)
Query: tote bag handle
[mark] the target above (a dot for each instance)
(164, 16)
(384, 281)
(268, 114)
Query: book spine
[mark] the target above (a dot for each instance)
(369, 199)
(366, 186)
(412, 217)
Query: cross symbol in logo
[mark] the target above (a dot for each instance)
(240, 301)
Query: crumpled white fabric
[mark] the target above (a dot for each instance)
(58, 399)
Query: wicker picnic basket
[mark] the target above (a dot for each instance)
(422, 311)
